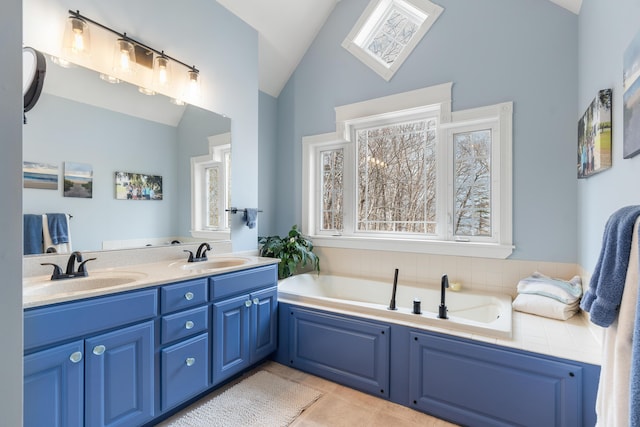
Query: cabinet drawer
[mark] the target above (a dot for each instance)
(47, 325)
(183, 295)
(185, 370)
(185, 323)
(243, 281)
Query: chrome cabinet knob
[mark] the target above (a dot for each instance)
(256, 301)
(190, 361)
(75, 357)
(247, 303)
(188, 296)
(189, 324)
(99, 349)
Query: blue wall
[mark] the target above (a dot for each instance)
(267, 153)
(493, 51)
(606, 29)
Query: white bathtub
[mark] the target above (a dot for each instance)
(474, 312)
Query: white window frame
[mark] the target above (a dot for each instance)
(218, 146)
(428, 100)
(355, 42)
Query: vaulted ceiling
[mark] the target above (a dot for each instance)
(286, 29)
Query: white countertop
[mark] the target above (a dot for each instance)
(144, 275)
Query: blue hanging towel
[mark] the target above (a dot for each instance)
(250, 216)
(32, 229)
(602, 299)
(58, 228)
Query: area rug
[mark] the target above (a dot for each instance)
(263, 399)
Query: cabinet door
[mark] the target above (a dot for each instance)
(345, 350)
(230, 346)
(119, 383)
(54, 387)
(263, 323)
(472, 384)
(185, 370)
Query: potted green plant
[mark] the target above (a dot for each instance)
(294, 251)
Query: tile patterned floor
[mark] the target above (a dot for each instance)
(342, 406)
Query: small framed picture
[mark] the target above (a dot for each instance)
(594, 136)
(78, 180)
(137, 186)
(40, 175)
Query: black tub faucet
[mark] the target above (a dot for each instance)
(392, 303)
(442, 310)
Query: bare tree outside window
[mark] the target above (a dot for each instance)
(397, 178)
(472, 182)
(332, 189)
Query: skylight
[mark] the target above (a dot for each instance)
(388, 31)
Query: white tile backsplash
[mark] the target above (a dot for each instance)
(479, 274)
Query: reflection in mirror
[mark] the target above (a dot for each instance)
(111, 128)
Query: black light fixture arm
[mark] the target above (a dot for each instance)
(124, 36)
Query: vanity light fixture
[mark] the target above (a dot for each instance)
(77, 40)
(129, 54)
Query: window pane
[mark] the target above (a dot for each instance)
(332, 189)
(397, 178)
(393, 33)
(212, 214)
(472, 183)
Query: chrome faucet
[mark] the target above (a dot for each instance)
(70, 272)
(442, 310)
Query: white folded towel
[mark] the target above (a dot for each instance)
(564, 291)
(545, 306)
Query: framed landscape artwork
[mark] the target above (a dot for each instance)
(78, 180)
(137, 186)
(594, 136)
(40, 175)
(631, 98)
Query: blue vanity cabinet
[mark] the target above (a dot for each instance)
(91, 362)
(184, 342)
(473, 384)
(349, 351)
(244, 319)
(54, 386)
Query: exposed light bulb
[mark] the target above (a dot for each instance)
(124, 56)
(193, 85)
(76, 38)
(162, 71)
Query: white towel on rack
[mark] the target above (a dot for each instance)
(62, 248)
(612, 404)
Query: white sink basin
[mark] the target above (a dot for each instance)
(91, 282)
(211, 264)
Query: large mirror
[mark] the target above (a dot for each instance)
(83, 123)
